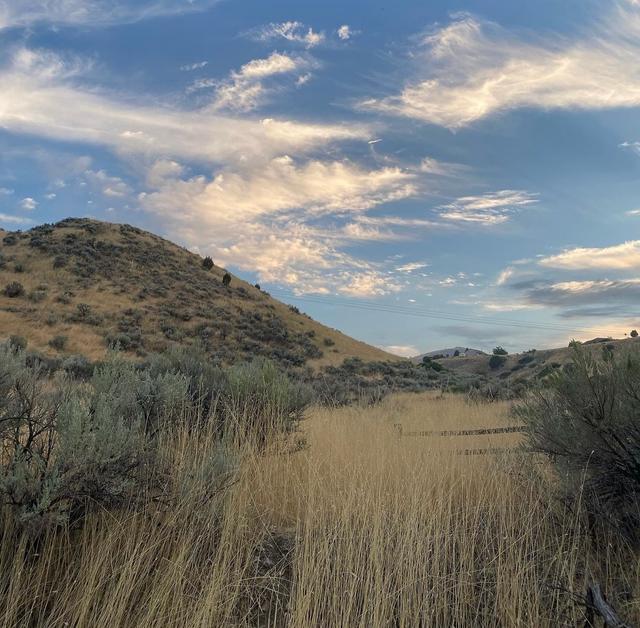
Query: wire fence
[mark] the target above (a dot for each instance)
(473, 451)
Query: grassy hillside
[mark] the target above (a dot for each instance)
(87, 285)
(520, 370)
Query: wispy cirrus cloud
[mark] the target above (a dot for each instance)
(9, 219)
(487, 209)
(91, 13)
(471, 69)
(596, 293)
(245, 88)
(290, 31)
(42, 94)
(623, 256)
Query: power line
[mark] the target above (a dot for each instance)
(427, 313)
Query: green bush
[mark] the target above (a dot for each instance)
(587, 420)
(64, 449)
(634, 333)
(500, 351)
(497, 361)
(260, 402)
(226, 279)
(207, 263)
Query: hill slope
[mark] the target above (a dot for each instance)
(520, 370)
(96, 284)
(448, 353)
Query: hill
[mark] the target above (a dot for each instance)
(80, 286)
(520, 370)
(449, 353)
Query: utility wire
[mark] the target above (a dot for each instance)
(428, 313)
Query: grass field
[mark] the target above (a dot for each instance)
(360, 528)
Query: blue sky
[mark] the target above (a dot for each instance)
(418, 175)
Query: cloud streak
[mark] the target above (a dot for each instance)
(91, 13)
(487, 209)
(625, 256)
(471, 69)
(41, 96)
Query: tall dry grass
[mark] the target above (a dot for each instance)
(362, 528)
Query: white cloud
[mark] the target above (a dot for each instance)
(471, 69)
(411, 266)
(28, 203)
(190, 67)
(633, 212)
(618, 257)
(6, 192)
(320, 187)
(345, 32)
(405, 351)
(106, 184)
(504, 276)
(265, 219)
(15, 220)
(40, 96)
(244, 89)
(290, 31)
(91, 13)
(487, 209)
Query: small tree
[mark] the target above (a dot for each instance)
(456, 353)
(226, 280)
(207, 263)
(634, 333)
(500, 351)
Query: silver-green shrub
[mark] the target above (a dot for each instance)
(63, 449)
(587, 420)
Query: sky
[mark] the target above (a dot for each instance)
(418, 175)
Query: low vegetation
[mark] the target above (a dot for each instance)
(180, 493)
(587, 419)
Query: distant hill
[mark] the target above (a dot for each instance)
(519, 370)
(449, 353)
(81, 286)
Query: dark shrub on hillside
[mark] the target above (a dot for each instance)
(634, 333)
(59, 261)
(587, 420)
(226, 279)
(58, 342)
(500, 351)
(207, 263)
(429, 363)
(10, 239)
(78, 367)
(14, 289)
(497, 361)
(17, 343)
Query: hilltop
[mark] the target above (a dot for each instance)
(448, 353)
(81, 286)
(519, 370)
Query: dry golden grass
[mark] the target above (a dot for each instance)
(362, 528)
(144, 259)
